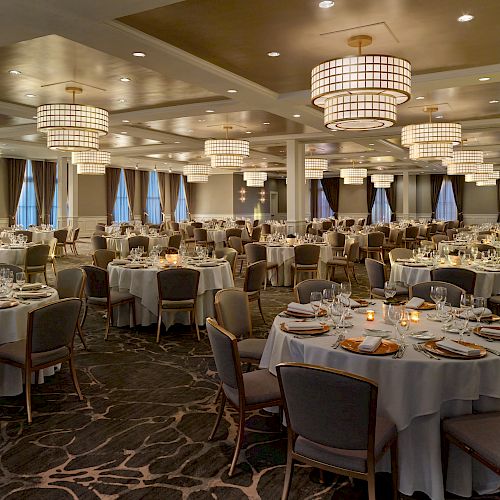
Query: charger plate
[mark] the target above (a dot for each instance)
(384, 349)
(479, 333)
(432, 347)
(320, 331)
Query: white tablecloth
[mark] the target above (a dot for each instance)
(216, 235)
(13, 323)
(120, 245)
(142, 283)
(15, 256)
(415, 392)
(42, 236)
(487, 283)
(277, 228)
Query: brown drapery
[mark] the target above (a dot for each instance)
(314, 198)
(39, 181)
(175, 181)
(144, 177)
(331, 188)
(130, 185)
(436, 182)
(371, 193)
(457, 184)
(162, 179)
(44, 179)
(392, 199)
(16, 169)
(498, 200)
(112, 181)
(188, 189)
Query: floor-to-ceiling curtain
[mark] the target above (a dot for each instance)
(175, 181)
(392, 199)
(314, 198)
(144, 178)
(457, 184)
(498, 200)
(189, 190)
(16, 169)
(112, 181)
(371, 194)
(331, 188)
(49, 189)
(436, 182)
(39, 181)
(130, 185)
(162, 179)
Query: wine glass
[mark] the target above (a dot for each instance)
(403, 325)
(393, 314)
(315, 301)
(390, 289)
(480, 304)
(21, 280)
(328, 298)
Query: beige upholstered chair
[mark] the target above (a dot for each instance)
(256, 252)
(304, 288)
(336, 241)
(464, 278)
(101, 258)
(236, 243)
(395, 239)
(313, 398)
(174, 241)
(229, 254)
(376, 276)
(244, 391)
(49, 341)
(98, 242)
(399, 253)
(233, 231)
(177, 291)
(256, 232)
(410, 236)
(266, 229)
(200, 236)
(72, 239)
(423, 290)
(36, 261)
(437, 238)
(306, 260)
(345, 261)
(61, 235)
(51, 258)
(375, 245)
(255, 278)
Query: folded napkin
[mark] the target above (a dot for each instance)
(304, 325)
(492, 332)
(4, 304)
(120, 261)
(352, 302)
(471, 313)
(370, 344)
(32, 286)
(295, 307)
(414, 303)
(452, 346)
(32, 295)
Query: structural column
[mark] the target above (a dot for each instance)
(62, 191)
(72, 195)
(406, 195)
(296, 187)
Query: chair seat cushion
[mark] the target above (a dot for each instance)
(400, 290)
(305, 267)
(177, 304)
(495, 299)
(16, 351)
(114, 295)
(260, 387)
(338, 261)
(481, 432)
(251, 348)
(385, 431)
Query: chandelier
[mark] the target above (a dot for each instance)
(491, 176)
(314, 167)
(255, 179)
(467, 162)
(431, 141)
(72, 127)
(353, 175)
(197, 173)
(361, 92)
(489, 182)
(91, 162)
(382, 180)
(227, 153)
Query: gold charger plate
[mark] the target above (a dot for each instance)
(361, 302)
(427, 306)
(323, 329)
(321, 312)
(7, 304)
(435, 349)
(479, 333)
(385, 348)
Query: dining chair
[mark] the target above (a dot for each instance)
(349, 222)
(200, 236)
(233, 231)
(51, 258)
(395, 239)
(72, 239)
(345, 261)
(197, 225)
(139, 241)
(423, 232)
(169, 251)
(236, 243)
(483, 247)
(98, 242)
(450, 233)
(441, 227)
(326, 225)
(336, 240)
(70, 283)
(256, 232)
(177, 291)
(464, 278)
(306, 260)
(229, 254)
(256, 252)
(410, 236)
(124, 227)
(62, 236)
(100, 227)
(49, 341)
(314, 397)
(438, 238)
(28, 234)
(399, 253)
(190, 231)
(246, 392)
(374, 245)
(384, 229)
(99, 294)
(11, 267)
(174, 226)
(266, 229)
(175, 241)
(101, 258)
(423, 290)
(432, 229)
(36, 261)
(376, 277)
(255, 278)
(303, 289)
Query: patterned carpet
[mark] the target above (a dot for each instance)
(141, 430)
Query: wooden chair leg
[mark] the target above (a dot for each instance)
(260, 309)
(445, 450)
(84, 317)
(80, 334)
(108, 321)
(27, 385)
(371, 486)
(219, 393)
(196, 325)
(159, 326)
(74, 378)
(239, 441)
(219, 415)
(134, 318)
(288, 475)
(395, 470)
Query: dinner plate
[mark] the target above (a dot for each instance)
(384, 349)
(432, 347)
(294, 314)
(323, 329)
(423, 336)
(479, 333)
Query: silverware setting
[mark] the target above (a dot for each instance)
(420, 348)
(400, 352)
(340, 338)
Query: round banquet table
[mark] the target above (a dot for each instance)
(14, 321)
(416, 393)
(277, 228)
(142, 283)
(42, 236)
(216, 236)
(15, 256)
(120, 244)
(283, 255)
(487, 282)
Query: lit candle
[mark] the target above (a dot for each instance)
(370, 315)
(415, 316)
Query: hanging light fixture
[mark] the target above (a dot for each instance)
(91, 162)
(363, 91)
(354, 176)
(489, 182)
(227, 153)
(382, 180)
(314, 167)
(467, 162)
(197, 173)
(72, 127)
(255, 179)
(482, 177)
(431, 141)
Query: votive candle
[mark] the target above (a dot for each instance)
(370, 315)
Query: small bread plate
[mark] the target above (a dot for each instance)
(423, 336)
(432, 347)
(478, 331)
(320, 331)
(384, 349)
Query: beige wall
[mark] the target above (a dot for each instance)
(480, 200)
(4, 190)
(352, 199)
(215, 197)
(251, 207)
(424, 195)
(91, 195)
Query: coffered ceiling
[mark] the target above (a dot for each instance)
(198, 50)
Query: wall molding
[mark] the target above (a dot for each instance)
(4, 222)
(86, 224)
(480, 218)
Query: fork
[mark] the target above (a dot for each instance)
(420, 348)
(340, 338)
(400, 352)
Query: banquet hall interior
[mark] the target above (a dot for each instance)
(250, 250)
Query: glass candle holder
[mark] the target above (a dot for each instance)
(414, 316)
(370, 315)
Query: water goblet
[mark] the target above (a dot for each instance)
(315, 301)
(479, 308)
(390, 289)
(403, 325)
(21, 280)
(394, 314)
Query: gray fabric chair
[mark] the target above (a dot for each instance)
(70, 283)
(395, 239)
(345, 261)
(375, 245)
(98, 293)
(61, 235)
(399, 253)
(266, 229)
(190, 231)
(423, 290)
(186, 238)
(233, 231)
(175, 241)
(236, 243)
(100, 227)
(477, 434)
(200, 236)
(376, 276)
(304, 288)
(450, 233)
(11, 267)
(177, 291)
(410, 236)
(326, 225)
(197, 225)
(306, 260)
(36, 261)
(256, 232)
(72, 239)
(256, 252)
(437, 238)
(98, 243)
(101, 258)
(174, 226)
(230, 254)
(124, 227)
(139, 241)
(464, 278)
(244, 391)
(336, 241)
(28, 234)
(349, 222)
(330, 429)
(255, 278)
(49, 341)
(384, 229)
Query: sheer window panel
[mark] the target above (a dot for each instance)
(27, 212)
(324, 209)
(153, 206)
(53, 210)
(181, 210)
(120, 210)
(381, 211)
(446, 207)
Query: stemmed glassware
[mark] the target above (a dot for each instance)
(328, 298)
(315, 301)
(403, 325)
(479, 308)
(21, 280)
(394, 314)
(390, 289)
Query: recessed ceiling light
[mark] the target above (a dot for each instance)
(484, 78)
(209, 111)
(125, 133)
(465, 18)
(201, 121)
(138, 54)
(170, 170)
(439, 116)
(420, 97)
(30, 95)
(126, 121)
(121, 100)
(273, 54)
(124, 79)
(232, 91)
(266, 123)
(177, 142)
(248, 132)
(494, 101)
(371, 144)
(14, 72)
(326, 4)
(296, 116)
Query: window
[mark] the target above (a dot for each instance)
(446, 207)
(53, 210)
(181, 210)
(26, 211)
(153, 206)
(381, 211)
(120, 210)
(324, 209)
